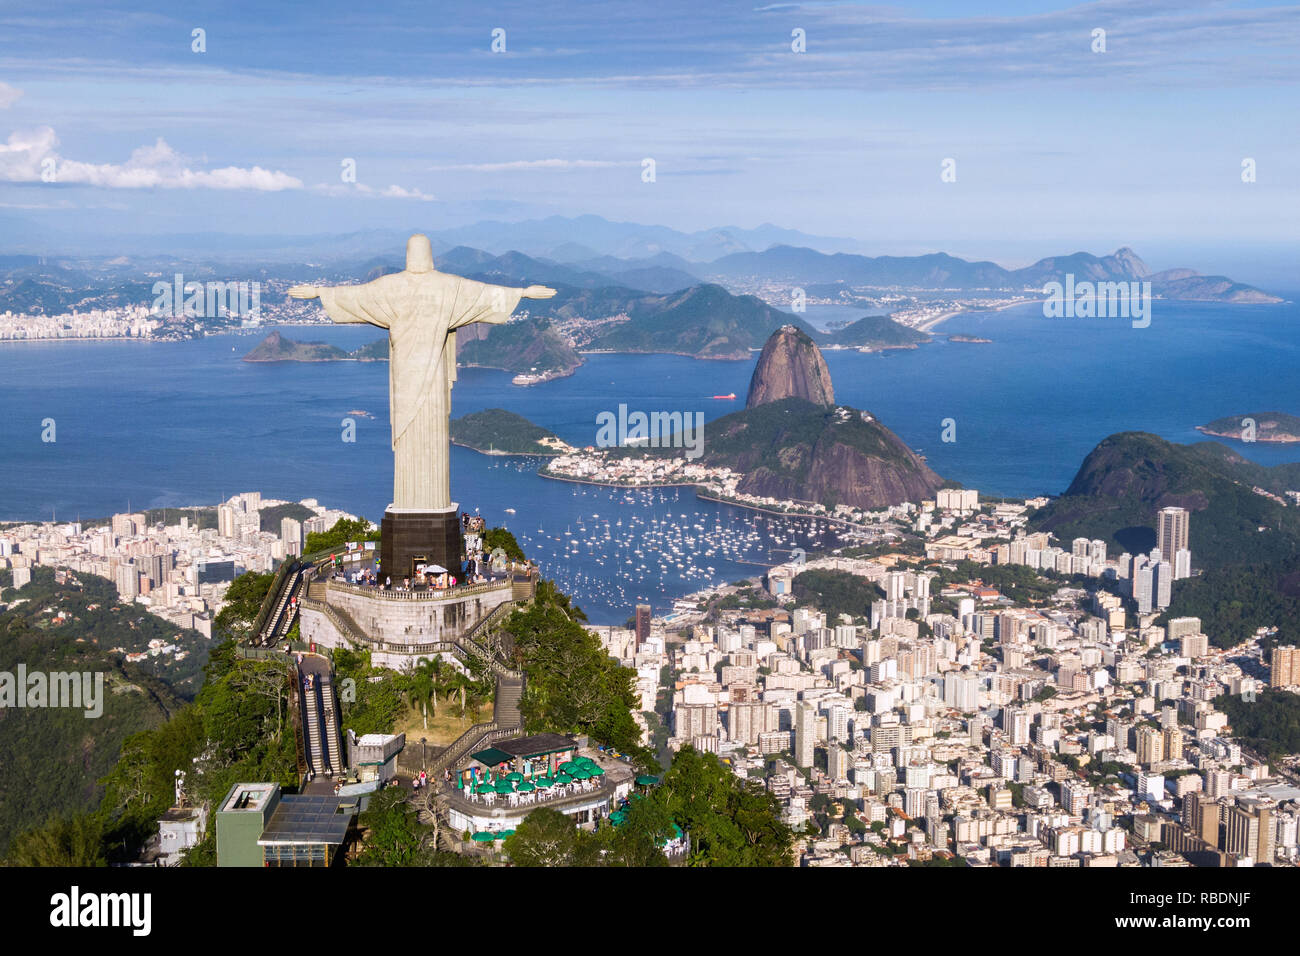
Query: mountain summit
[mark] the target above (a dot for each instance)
(791, 366)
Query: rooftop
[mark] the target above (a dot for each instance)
(306, 819)
(537, 745)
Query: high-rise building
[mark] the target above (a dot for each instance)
(1150, 745)
(1173, 743)
(292, 536)
(805, 733)
(226, 522)
(1143, 585)
(837, 762)
(1015, 723)
(642, 625)
(1248, 830)
(1162, 584)
(1201, 817)
(749, 720)
(127, 578)
(1284, 670)
(1171, 533)
(695, 720)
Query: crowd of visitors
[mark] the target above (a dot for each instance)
(476, 566)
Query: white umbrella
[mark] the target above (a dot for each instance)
(435, 569)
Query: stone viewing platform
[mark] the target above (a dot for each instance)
(402, 626)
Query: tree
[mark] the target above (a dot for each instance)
(344, 530)
(393, 835)
(65, 841)
(244, 600)
(730, 822)
(546, 837)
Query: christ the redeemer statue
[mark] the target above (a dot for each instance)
(421, 308)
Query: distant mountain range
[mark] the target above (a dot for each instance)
(800, 267)
(584, 252)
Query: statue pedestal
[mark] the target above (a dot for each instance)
(409, 538)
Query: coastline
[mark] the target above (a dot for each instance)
(496, 452)
(703, 495)
(1288, 440)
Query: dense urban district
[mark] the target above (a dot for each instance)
(953, 688)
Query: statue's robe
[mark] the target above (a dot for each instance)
(421, 311)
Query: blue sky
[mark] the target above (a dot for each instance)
(1054, 143)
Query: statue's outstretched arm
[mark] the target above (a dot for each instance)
(347, 303)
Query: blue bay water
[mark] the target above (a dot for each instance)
(165, 424)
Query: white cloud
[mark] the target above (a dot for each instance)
(389, 192)
(9, 95)
(29, 153)
(533, 164)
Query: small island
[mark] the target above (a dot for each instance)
(973, 339)
(496, 431)
(1269, 428)
(276, 348)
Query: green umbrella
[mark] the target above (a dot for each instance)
(596, 771)
(582, 773)
(505, 786)
(563, 778)
(516, 776)
(526, 787)
(482, 836)
(484, 788)
(645, 780)
(545, 782)
(506, 833)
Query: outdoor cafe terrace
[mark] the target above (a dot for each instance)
(544, 769)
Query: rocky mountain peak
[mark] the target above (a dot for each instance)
(790, 366)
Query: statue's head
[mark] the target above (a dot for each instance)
(419, 254)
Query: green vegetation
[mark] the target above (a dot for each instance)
(705, 321)
(276, 348)
(269, 518)
(525, 346)
(395, 837)
(1269, 724)
(873, 331)
(836, 593)
(573, 686)
(1022, 584)
(498, 430)
(236, 728)
(494, 538)
(730, 822)
(801, 451)
(1269, 426)
(52, 756)
(344, 530)
(1128, 477)
(1233, 603)
(244, 599)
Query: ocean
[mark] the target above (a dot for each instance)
(146, 425)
